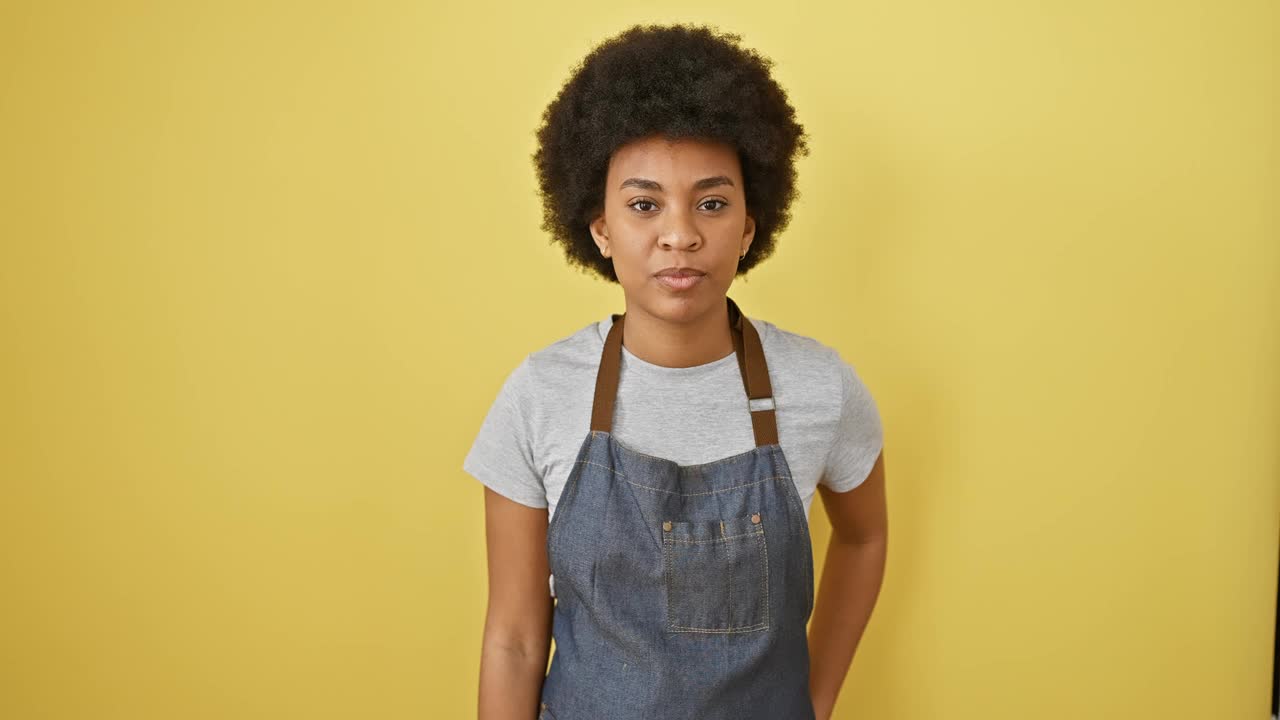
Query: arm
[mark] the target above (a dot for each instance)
(517, 628)
(851, 580)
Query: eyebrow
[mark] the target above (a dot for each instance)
(646, 184)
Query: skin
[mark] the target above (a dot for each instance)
(517, 628)
(695, 216)
(851, 578)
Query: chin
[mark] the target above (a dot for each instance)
(679, 307)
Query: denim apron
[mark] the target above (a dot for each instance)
(682, 591)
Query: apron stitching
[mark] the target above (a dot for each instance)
(666, 562)
(709, 492)
(681, 628)
(722, 538)
(764, 579)
(729, 598)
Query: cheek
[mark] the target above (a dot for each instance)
(630, 264)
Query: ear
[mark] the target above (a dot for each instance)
(600, 233)
(748, 234)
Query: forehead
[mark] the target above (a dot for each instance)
(684, 160)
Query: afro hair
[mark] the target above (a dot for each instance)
(681, 81)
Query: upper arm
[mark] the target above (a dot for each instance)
(519, 603)
(503, 458)
(852, 486)
(859, 515)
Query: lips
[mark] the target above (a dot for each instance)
(680, 280)
(679, 272)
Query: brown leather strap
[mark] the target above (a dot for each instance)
(751, 365)
(607, 378)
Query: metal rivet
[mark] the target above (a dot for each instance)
(666, 525)
(755, 519)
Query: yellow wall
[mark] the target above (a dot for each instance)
(263, 266)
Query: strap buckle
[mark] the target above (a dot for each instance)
(758, 404)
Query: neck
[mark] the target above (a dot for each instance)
(661, 341)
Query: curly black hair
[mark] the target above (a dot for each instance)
(682, 81)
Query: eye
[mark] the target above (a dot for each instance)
(640, 202)
(722, 203)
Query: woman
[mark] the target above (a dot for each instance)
(653, 472)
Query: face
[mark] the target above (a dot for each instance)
(674, 203)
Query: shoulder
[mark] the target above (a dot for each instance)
(560, 364)
(798, 352)
(805, 366)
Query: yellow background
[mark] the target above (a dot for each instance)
(264, 265)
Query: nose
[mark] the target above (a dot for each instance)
(679, 232)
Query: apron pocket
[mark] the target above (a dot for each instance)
(717, 575)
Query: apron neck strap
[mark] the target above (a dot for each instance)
(751, 365)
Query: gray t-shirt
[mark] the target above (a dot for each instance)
(828, 424)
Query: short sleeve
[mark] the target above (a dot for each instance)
(858, 438)
(502, 454)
